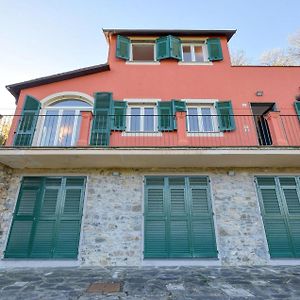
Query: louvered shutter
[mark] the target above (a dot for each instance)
(155, 219)
(202, 224)
(275, 223)
(179, 238)
(175, 47)
(166, 118)
(162, 48)
(297, 107)
(20, 237)
(225, 116)
(178, 105)
(69, 222)
(27, 122)
(290, 188)
(119, 115)
(123, 47)
(214, 49)
(100, 133)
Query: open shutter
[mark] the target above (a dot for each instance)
(27, 122)
(156, 245)
(119, 115)
(274, 219)
(20, 237)
(175, 47)
(178, 105)
(162, 48)
(225, 116)
(101, 127)
(202, 223)
(297, 107)
(69, 222)
(123, 47)
(214, 49)
(166, 119)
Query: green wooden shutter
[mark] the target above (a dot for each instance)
(225, 116)
(155, 218)
(20, 237)
(69, 220)
(297, 107)
(175, 47)
(178, 105)
(101, 127)
(27, 122)
(214, 49)
(275, 223)
(166, 118)
(162, 48)
(119, 115)
(202, 223)
(123, 47)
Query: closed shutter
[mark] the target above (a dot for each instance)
(123, 47)
(214, 49)
(119, 115)
(26, 211)
(47, 219)
(27, 122)
(225, 116)
(166, 118)
(279, 199)
(178, 218)
(100, 133)
(297, 107)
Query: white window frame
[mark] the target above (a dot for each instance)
(192, 47)
(142, 104)
(203, 103)
(41, 121)
(143, 61)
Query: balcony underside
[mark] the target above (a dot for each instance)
(149, 158)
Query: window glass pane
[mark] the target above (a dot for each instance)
(70, 103)
(49, 128)
(135, 119)
(199, 54)
(149, 119)
(143, 52)
(193, 119)
(66, 128)
(186, 53)
(207, 124)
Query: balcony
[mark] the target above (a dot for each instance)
(143, 141)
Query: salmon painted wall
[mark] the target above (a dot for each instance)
(169, 80)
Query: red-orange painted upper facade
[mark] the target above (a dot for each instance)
(161, 88)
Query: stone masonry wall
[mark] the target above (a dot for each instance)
(112, 224)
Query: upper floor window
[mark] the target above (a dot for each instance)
(59, 123)
(142, 51)
(194, 52)
(141, 118)
(202, 118)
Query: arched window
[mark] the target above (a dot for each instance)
(60, 123)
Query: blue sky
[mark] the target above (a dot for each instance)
(40, 37)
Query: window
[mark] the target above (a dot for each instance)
(141, 118)
(194, 53)
(202, 118)
(60, 123)
(142, 52)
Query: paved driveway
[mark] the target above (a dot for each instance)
(151, 283)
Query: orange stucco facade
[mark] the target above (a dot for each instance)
(171, 80)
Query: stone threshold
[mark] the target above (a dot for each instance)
(29, 263)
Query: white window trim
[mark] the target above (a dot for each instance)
(192, 47)
(140, 62)
(142, 103)
(38, 136)
(199, 103)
